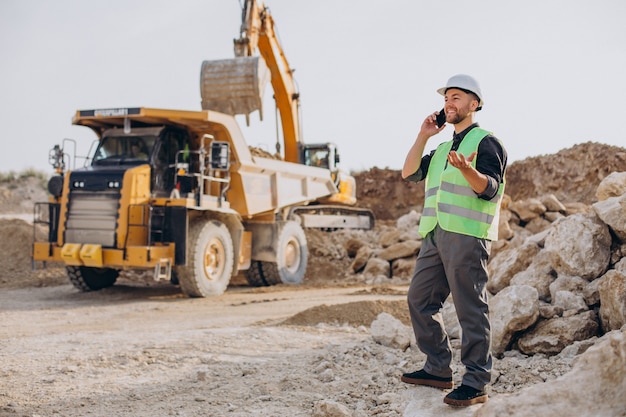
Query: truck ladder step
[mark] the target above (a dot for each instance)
(163, 269)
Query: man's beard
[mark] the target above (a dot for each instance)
(458, 116)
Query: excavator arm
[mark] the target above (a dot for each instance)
(257, 33)
(235, 86)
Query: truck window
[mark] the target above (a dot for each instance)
(316, 157)
(124, 150)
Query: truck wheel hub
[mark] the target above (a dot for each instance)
(214, 259)
(292, 256)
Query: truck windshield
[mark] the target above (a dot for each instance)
(316, 157)
(124, 150)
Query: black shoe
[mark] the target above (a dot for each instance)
(465, 395)
(422, 377)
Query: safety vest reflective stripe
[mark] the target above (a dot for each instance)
(459, 211)
(462, 190)
(431, 192)
(463, 212)
(429, 211)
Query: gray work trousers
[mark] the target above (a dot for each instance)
(452, 263)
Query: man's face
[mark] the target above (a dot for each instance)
(459, 105)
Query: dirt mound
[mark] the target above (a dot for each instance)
(15, 256)
(385, 193)
(19, 193)
(572, 174)
(15, 250)
(358, 313)
(263, 153)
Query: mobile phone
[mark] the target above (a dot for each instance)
(441, 118)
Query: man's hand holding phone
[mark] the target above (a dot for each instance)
(434, 123)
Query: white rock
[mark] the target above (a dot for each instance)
(511, 310)
(389, 331)
(579, 245)
(613, 185)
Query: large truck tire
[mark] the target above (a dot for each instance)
(91, 279)
(291, 259)
(210, 258)
(254, 275)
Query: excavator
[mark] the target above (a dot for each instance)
(236, 86)
(181, 194)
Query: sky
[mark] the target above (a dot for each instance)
(552, 73)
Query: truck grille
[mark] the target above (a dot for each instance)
(92, 217)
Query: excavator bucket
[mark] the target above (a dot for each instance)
(234, 86)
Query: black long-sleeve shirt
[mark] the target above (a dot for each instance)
(491, 161)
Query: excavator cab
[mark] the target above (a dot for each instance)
(321, 155)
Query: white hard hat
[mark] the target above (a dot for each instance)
(466, 83)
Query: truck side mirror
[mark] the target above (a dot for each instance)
(220, 155)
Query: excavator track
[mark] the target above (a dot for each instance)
(332, 217)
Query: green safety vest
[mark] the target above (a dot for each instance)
(451, 202)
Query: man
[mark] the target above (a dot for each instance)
(137, 152)
(464, 185)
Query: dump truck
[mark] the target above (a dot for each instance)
(181, 194)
